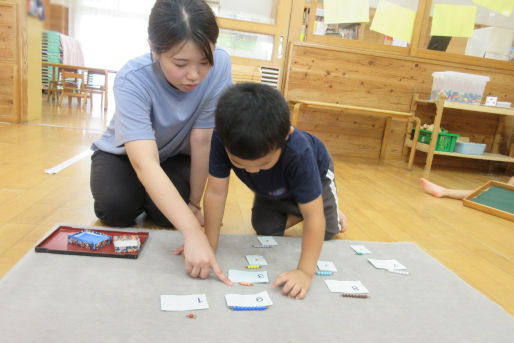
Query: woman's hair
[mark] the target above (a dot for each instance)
(176, 21)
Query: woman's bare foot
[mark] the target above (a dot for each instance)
(431, 188)
(342, 220)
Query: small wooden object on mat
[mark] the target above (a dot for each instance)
(496, 198)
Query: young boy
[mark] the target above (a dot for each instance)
(289, 170)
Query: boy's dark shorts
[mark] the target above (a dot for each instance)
(269, 217)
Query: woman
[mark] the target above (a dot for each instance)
(154, 154)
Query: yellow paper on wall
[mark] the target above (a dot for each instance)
(453, 20)
(503, 7)
(346, 11)
(393, 20)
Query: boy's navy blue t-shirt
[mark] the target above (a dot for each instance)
(297, 175)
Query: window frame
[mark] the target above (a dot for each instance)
(416, 47)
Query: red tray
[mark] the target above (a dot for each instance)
(57, 243)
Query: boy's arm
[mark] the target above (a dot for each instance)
(297, 282)
(313, 234)
(214, 207)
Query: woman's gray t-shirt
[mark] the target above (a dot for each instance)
(149, 108)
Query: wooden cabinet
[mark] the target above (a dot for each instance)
(439, 106)
(13, 61)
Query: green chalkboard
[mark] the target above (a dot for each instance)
(496, 197)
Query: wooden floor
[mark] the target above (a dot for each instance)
(382, 200)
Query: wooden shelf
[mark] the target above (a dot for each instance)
(474, 108)
(485, 156)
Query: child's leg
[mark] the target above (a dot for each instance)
(272, 217)
(335, 219)
(441, 192)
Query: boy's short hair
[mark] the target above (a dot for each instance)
(252, 119)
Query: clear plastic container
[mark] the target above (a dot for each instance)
(469, 148)
(459, 87)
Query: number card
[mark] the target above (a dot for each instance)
(184, 302)
(248, 300)
(347, 287)
(360, 249)
(247, 276)
(256, 260)
(386, 264)
(267, 240)
(327, 266)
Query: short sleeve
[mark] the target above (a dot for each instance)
(132, 117)
(304, 178)
(222, 78)
(219, 163)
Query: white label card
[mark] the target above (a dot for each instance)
(247, 276)
(350, 287)
(386, 264)
(267, 240)
(256, 260)
(327, 266)
(248, 300)
(360, 249)
(184, 302)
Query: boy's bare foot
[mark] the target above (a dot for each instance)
(342, 220)
(431, 188)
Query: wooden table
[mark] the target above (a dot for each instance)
(440, 106)
(102, 71)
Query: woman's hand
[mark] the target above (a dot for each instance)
(197, 211)
(200, 258)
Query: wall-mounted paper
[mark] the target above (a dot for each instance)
(346, 11)
(393, 20)
(453, 20)
(503, 7)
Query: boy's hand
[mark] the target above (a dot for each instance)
(296, 283)
(200, 258)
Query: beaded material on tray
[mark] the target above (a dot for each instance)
(249, 308)
(253, 266)
(353, 295)
(261, 246)
(323, 273)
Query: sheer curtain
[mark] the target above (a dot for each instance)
(111, 32)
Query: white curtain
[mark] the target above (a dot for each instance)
(111, 32)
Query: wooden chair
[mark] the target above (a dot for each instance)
(55, 85)
(95, 88)
(73, 85)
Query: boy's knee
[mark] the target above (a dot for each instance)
(329, 235)
(268, 224)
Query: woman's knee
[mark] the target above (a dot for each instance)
(115, 213)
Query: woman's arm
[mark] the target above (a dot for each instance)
(200, 140)
(198, 254)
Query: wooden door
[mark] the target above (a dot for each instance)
(12, 66)
(255, 35)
